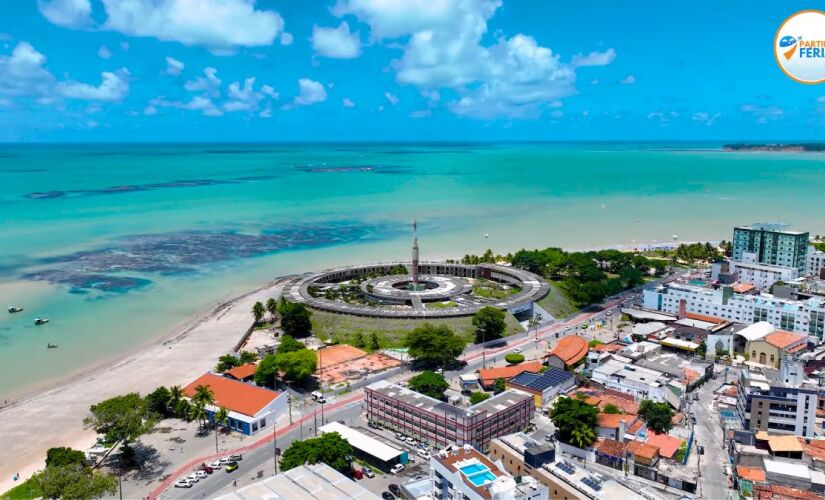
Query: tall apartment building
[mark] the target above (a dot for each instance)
(780, 401)
(440, 423)
(773, 243)
(799, 316)
(815, 262)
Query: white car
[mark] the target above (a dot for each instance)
(217, 464)
(193, 477)
(397, 468)
(201, 474)
(424, 454)
(517, 350)
(183, 483)
(411, 440)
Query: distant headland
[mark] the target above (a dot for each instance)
(806, 147)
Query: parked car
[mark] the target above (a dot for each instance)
(397, 468)
(394, 489)
(193, 477)
(225, 460)
(424, 454)
(368, 472)
(183, 483)
(206, 468)
(373, 425)
(201, 474)
(357, 474)
(235, 458)
(411, 441)
(216, 464)
(517, 350)
(400, 436)
(231, 466)
(387, 496)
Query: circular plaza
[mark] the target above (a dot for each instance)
(418, 289)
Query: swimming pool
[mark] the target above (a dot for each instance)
(473, 468)
(478, 474)
(697, 282)
(728, 413)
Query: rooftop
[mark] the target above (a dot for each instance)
(667, 444)
(540, 381)
(783, 339)
(640, 449)
(750, 473)
(243, 371)
(362, 441)
(787, 469)
(571, 349)
(610, 447)
(613, 420)
(674, 365)
(489, 375)
(233, 395)
(705, 319)
(756, 331)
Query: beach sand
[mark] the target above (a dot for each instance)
(54, 417)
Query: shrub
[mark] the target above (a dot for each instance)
(514, 358)
(478, 397)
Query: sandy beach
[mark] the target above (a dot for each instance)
(54, 417)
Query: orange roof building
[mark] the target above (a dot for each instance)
(705, 318)
(251, 408)
(644, 453)
(243, 372)
(784, 340)
(668, 445)
(488, 376)
(568, 351)
(750, 473)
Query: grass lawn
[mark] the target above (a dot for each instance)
(557, 303)
(27, 489)
(391, 332)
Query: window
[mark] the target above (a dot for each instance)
(772, 358)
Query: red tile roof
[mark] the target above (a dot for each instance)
(742, 287)
(783, 339)
(707, 319)
(611, 421)
(667, 444)
(611, 347)
(243, 371)
(488, 376)
(635, 427)
(641, 449)
(750, 473)
(236, 396)
(610, 447)
(570, 349)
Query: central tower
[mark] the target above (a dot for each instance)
(415, 255)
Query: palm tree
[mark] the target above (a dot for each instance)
(203, 396)
(175, 395)
(258, 312)
(582, 436)
(221, 418)
(198, 412)
(271, 307)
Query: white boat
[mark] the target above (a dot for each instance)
(15, 309)
(41, 321)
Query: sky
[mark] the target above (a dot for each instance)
(398, 70)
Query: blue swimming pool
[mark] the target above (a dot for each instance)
(473, 469)
(728, 413)
(478, 474)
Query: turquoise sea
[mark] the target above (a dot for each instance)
(120, 244)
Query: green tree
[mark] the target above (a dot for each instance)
(513, 358)
(702, 349)
(498, 386)
(358, 340)
(582, 436)
(569, 414)
(489, 324)
(175, 395)
(295, 319)
(630, 277)
(258, 311)
(58, 457)
(266, 371)
(429, 383)
(329, 448)
(478, 397)
(611, 408)
(221, 417)
(198, 412)
(435, 345)
(227, 362)
(157, 402)
(659, 416)
(74, 481)
(203, 396)
(247, 357)
(297, 365)
(120, 419)
(271, 307)
(183, 409)
(374, 345)
(289, 344)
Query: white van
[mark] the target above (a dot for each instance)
(318, 396)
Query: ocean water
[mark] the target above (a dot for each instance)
(119, 244)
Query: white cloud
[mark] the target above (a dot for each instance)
(197, 103)
(286, 38)
(337, 43)
(174, 67)
(347, 102)
(209, 84)
(763, 114)
(67, 13)
(421, 113)
(23, 74)
(594, 59)
(266, 113)
(431, 95)
(706, 118)
(391, 97)
(113, 87)
(219, 24)
(628, 80)
(310, 92)
(442, 48)
(268, 90)
(103, 52)
(246, 98)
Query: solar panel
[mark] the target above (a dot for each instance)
(552, 377)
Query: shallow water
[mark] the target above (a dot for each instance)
(119, 244)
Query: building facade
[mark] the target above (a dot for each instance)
(469, 475)
(814, 262)
(749, 270)
(773, 243)
(440, 423)
(806, 317)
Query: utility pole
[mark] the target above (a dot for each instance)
(275, 448)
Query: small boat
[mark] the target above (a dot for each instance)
(15, 309)
(41, 321)
(51, 346)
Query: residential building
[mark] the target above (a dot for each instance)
(251, 408)
(567, 352)
(772, 243)
(642, 453)
(815, 262)
(468, 474)
(305, 482)
(798, 316)
(543, 386)
(770, 349)
(440, 423)
(615, 425)
(638, 381)
(488, 376)
(778, 401)
(375, 452)
(750, 271)
(244, 373)
(690, 371)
